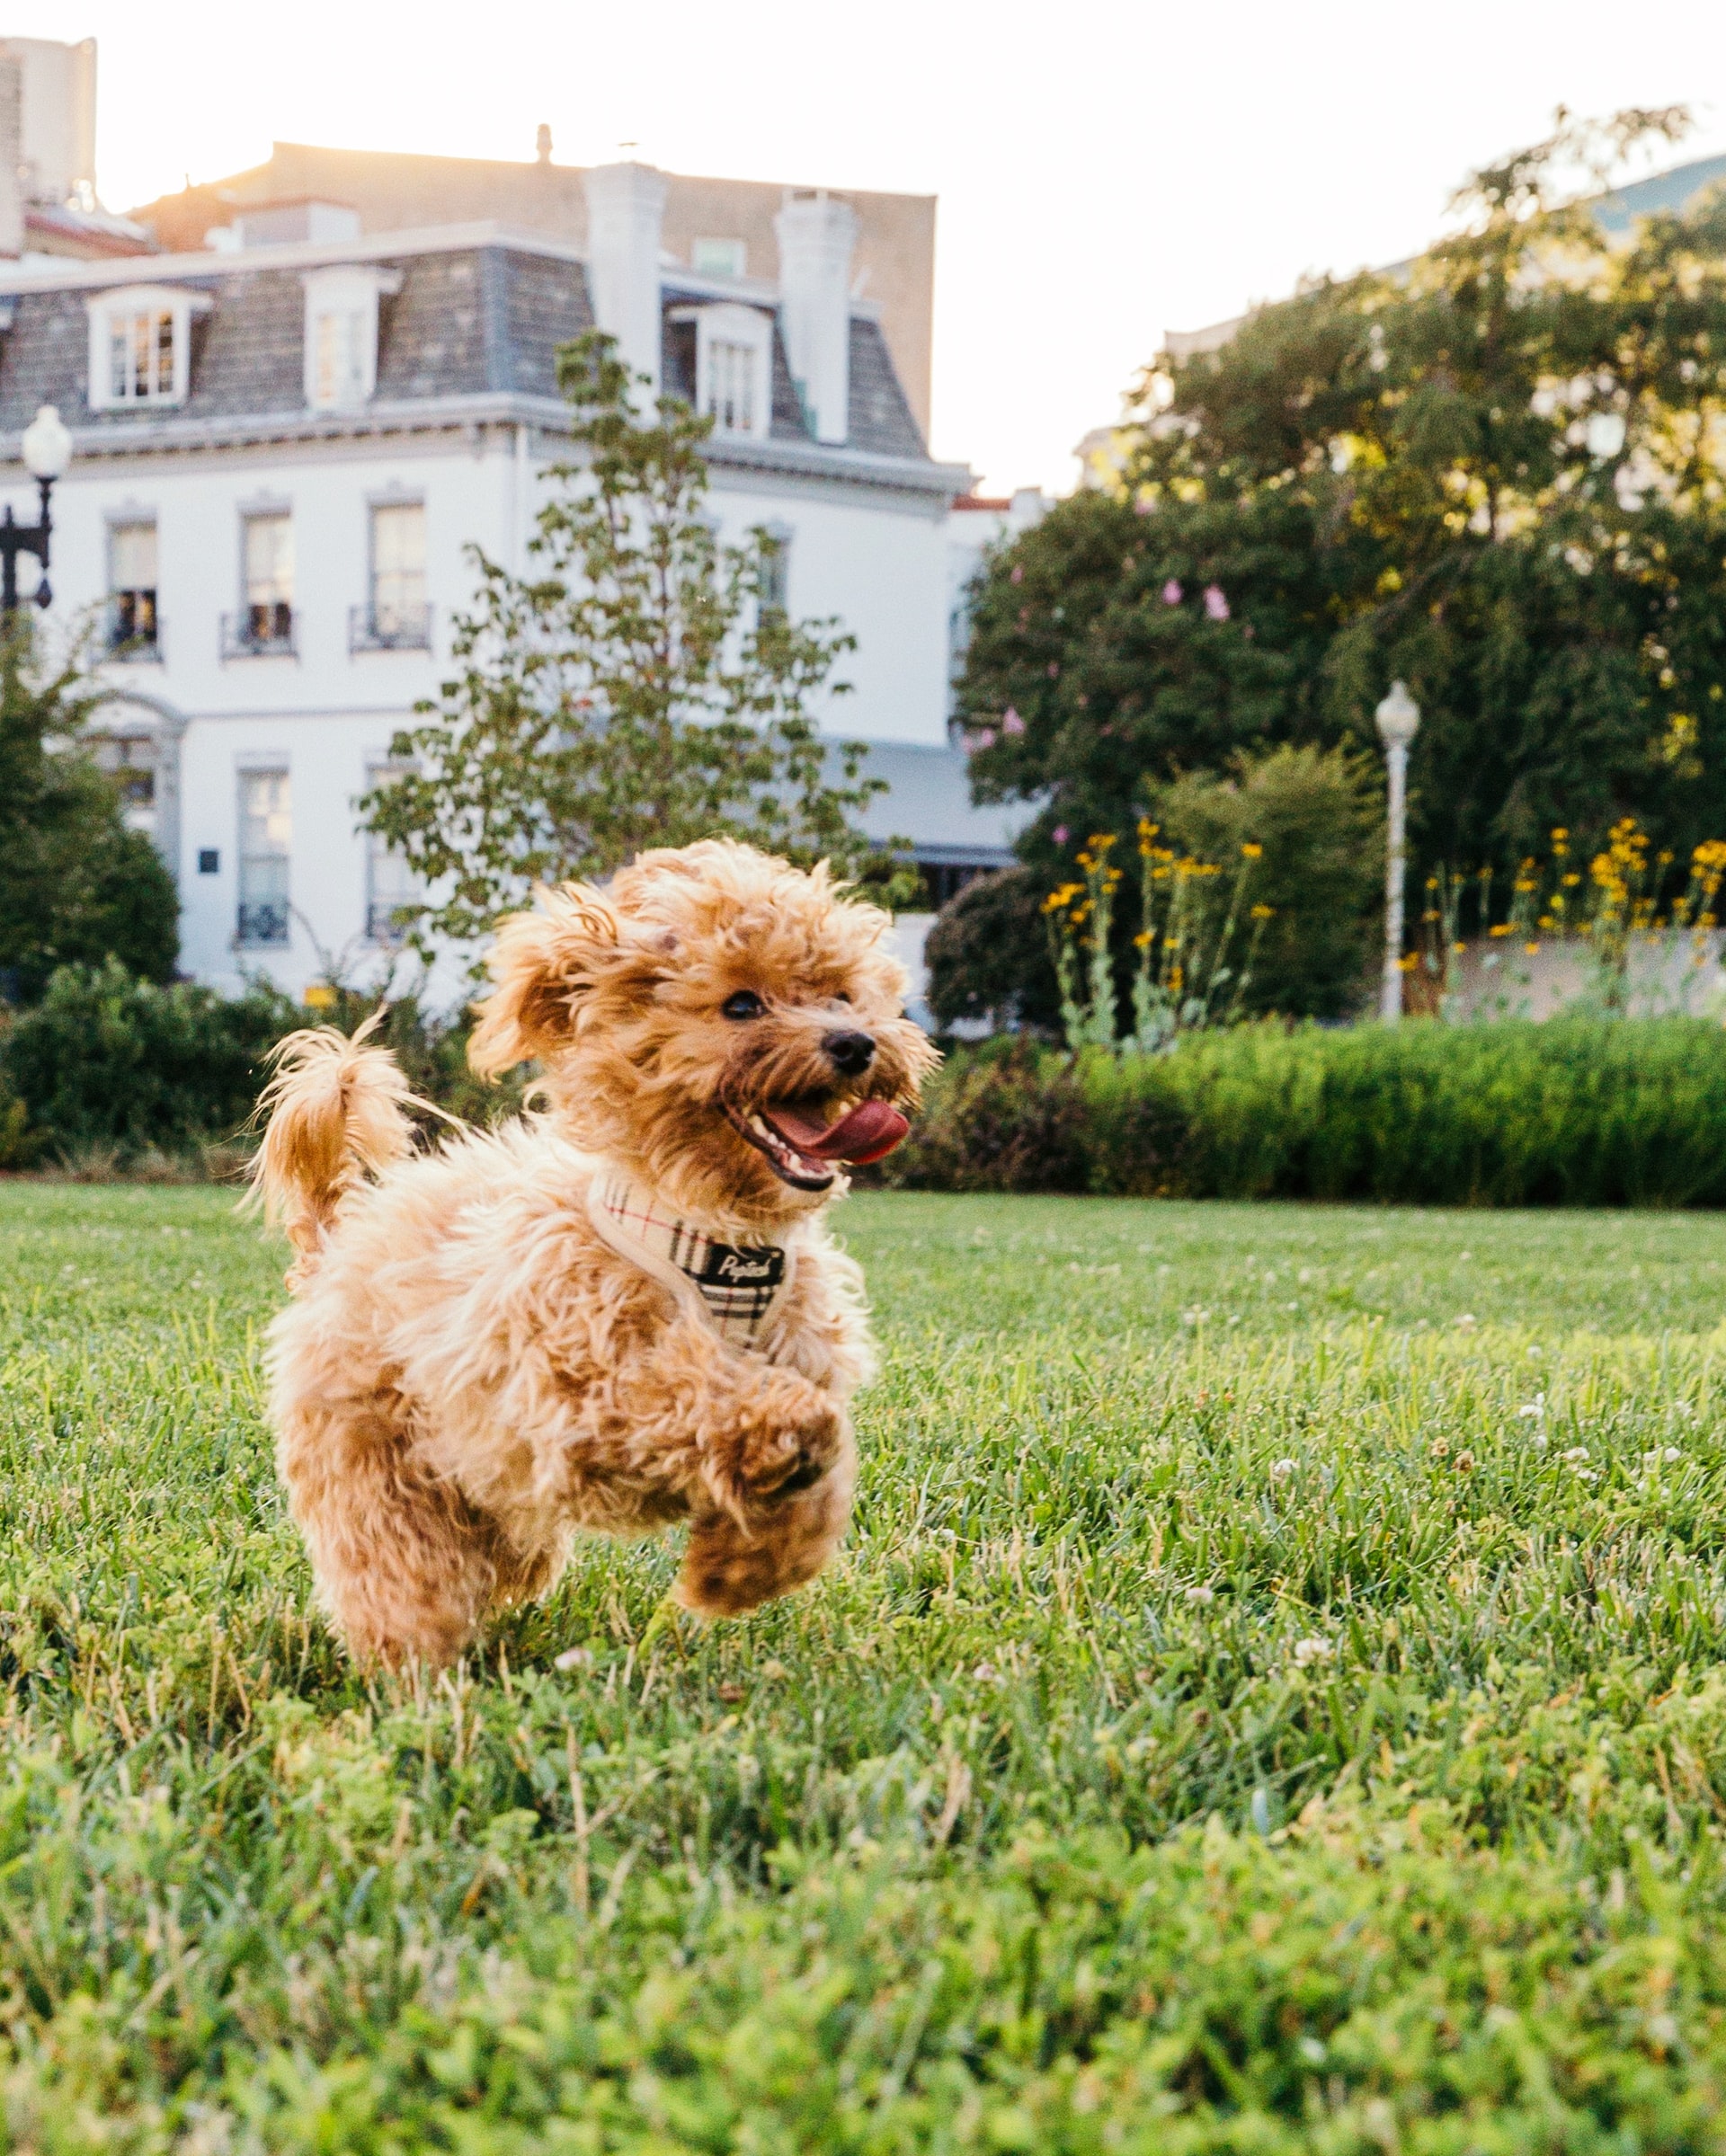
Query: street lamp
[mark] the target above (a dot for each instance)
(1399, 720)
(47, 450)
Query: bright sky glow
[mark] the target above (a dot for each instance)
(1105, 171)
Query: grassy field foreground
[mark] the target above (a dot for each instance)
(1271, 1699)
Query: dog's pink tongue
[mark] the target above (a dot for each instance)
(871, 1130)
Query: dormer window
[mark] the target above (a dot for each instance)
(734, 367)
(342, 334)
(719, 257)
(141, 345)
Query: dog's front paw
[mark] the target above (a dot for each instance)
(787, 1445)
(729, 1569)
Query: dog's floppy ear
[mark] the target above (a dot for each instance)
(543, 963)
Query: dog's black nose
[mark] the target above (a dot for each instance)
(850, 1053)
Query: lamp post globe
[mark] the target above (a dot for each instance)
(1399, 721)
(47, 450)
(47, 445)
(1398, 717)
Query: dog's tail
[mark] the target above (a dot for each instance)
(337, 1108)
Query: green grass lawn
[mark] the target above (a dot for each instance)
(1270, 1699)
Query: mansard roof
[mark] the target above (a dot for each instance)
(478, 313)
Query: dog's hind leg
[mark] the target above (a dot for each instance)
(405, 1566)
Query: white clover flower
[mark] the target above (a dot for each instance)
(1283, 1469)
(1575, 1453)
(1467, 1321)
(1201, 1595)
(1672, 1452)
(1535, 1409)
(1309, 1651)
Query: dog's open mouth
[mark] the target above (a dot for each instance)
(801, 1150)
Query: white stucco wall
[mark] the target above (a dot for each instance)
(876, 559)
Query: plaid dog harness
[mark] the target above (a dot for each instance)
(737, 1287)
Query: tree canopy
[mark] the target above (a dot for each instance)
(639, 686)
(76, 886)
(1498, 471)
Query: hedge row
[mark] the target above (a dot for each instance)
(1573, 1112)
(111, 1064)
(1567, 1112)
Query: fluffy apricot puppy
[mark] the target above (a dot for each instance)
(620, 1311)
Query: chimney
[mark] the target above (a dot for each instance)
(625, 206)
(12, 156)
(816, 236)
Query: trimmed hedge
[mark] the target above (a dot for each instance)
(1573, 1112)
(106, 1058)
(109, 1064)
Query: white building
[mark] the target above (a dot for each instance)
(284, 444)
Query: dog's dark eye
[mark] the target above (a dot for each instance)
(744, 1003)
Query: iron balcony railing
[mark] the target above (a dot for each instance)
(262, 630)
(264, 921)
(131, 629)
(391, 628)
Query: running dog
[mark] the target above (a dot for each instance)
(620, 1310)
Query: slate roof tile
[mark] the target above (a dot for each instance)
(464, 321)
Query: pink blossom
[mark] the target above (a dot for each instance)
(985, 740)
(1216, 606)
(1060, 834)
(1019, 572)
(1054, 668)
(1010, 721)
(1143, 509)
(1171, 592)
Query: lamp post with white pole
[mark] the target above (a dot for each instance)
(1399, 720)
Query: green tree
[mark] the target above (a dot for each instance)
(636, 688)
(76, 886)
(1500, 473)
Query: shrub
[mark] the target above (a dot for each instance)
(106, 1058)
(988, 953)
(1008, 1117)
(1320, 821)
(1575, 1112)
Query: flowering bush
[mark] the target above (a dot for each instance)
(1626, 909)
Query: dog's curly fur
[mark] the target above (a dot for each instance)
(469, 1372)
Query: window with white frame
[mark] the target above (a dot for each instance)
(140, 344)
(268, 570)
(133, 628)
(342, 305)
(734, 367)
(266, 845)
(338, 360)
(397, 598)
(393, 886)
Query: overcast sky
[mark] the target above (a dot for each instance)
(1105, 170)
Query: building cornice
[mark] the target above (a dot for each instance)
(210, 265)
(180, 434)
